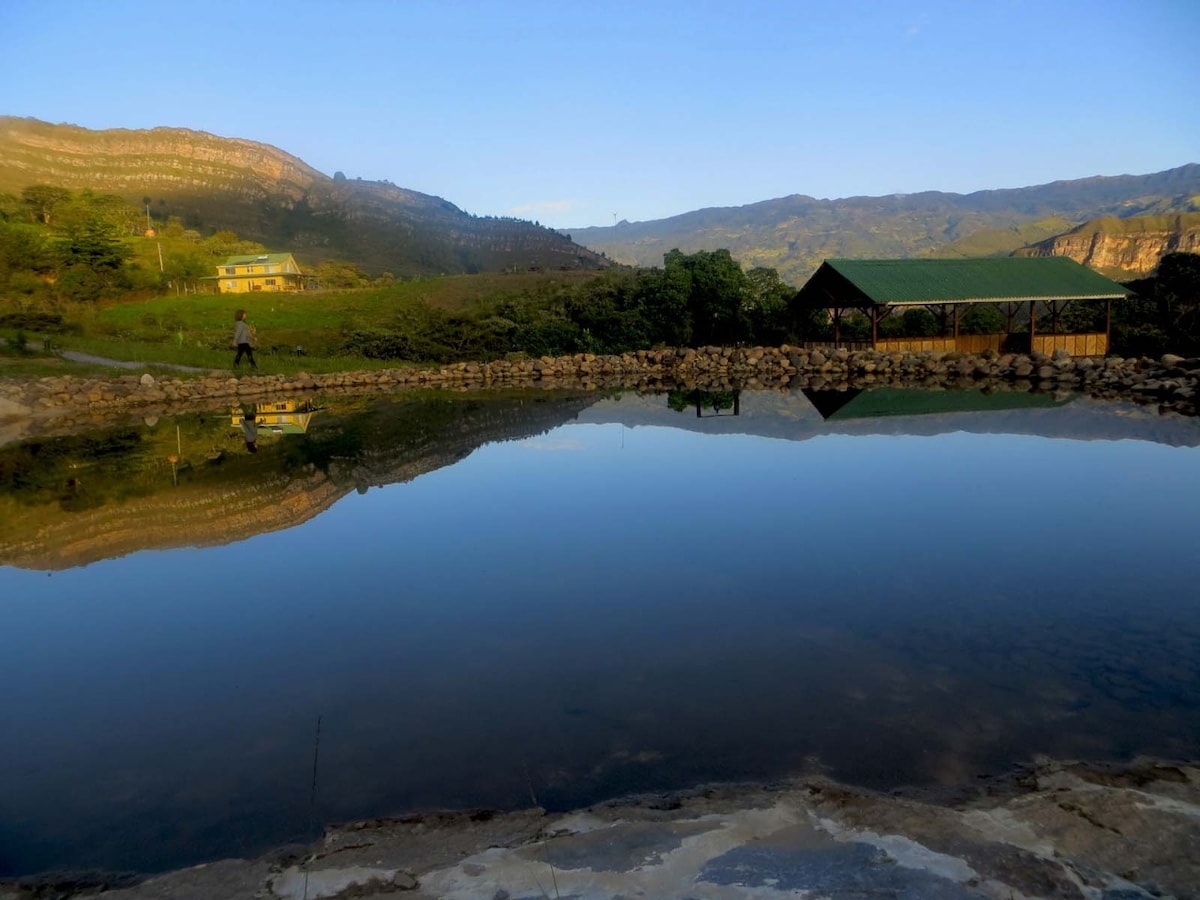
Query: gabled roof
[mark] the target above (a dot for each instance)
(867, 282)
(264, 258)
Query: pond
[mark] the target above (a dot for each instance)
(471, 600)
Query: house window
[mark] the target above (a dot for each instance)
(270, 281)
(230, 270)
(231, 285)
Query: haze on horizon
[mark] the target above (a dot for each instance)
(576, 115)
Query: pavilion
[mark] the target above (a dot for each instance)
(1022, 288)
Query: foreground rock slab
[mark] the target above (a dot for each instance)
(1056, 831)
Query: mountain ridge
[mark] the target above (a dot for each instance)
(794, 233)
(269, 195)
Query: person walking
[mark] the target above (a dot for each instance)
(242, 335)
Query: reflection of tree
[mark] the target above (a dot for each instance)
(699, 400)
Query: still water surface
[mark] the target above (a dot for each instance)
(634, 599)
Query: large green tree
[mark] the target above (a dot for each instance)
(44, 200)
(717, 290)
(1177, 293)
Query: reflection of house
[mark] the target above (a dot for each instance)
(264, 272)
(1031, 292)
(279, 416)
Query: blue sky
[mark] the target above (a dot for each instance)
(575, 113)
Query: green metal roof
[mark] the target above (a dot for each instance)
(864, 282)
(265, 258)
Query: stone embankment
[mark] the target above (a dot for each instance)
(1170, 382)
(1055, 831)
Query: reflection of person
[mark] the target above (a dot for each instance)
(250, 432)
(242, 334)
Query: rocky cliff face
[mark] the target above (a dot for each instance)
(271, 196)
(1124, 248)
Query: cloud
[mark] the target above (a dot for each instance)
(543, 207)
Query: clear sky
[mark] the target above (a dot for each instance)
(574, 113)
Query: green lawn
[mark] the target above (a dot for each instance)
(196, 330)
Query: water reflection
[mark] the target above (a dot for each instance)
(592, 595)
(277, 416)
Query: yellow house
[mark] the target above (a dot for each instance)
(278, 416)
(265, 272)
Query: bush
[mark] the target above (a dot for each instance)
(35, 321)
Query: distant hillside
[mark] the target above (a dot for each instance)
(793, 234)
(1123, 248)
(215, 183)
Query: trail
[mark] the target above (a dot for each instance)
(76, 356)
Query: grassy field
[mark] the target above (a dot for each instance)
(196, 329)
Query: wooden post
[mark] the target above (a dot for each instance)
(874, 326)
(1032, 323)
(1107, 324)
(837, 322)
(955, 326)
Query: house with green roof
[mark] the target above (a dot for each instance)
(260, 272)
(1024, 289)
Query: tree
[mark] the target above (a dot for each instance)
(765, 306)
(226, 243)
(717, 289)
(1177, 293)
(335, 273)
(982, 319)
(92, 242)
(662, 296)
(918, 322)
(11, 208)
(43, 201)
(91, 261)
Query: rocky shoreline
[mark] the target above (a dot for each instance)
(1169, 382)
(1047, 830)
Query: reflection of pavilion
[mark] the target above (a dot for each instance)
(279, 416)
(859, 403)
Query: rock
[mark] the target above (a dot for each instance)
(404, 881)
(1170, 360)
(147, 379)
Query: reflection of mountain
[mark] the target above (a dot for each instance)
(73, 501)
(794, 416)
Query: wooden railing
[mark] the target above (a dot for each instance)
(1075, 344)
(1018, 342)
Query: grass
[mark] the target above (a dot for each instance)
(47, 367)
(195, 330)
